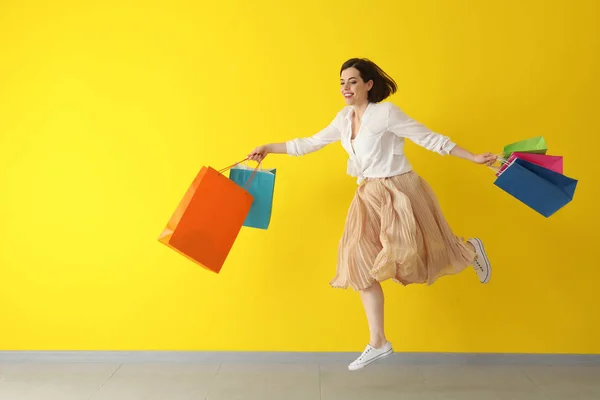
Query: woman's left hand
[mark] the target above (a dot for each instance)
(488, 159)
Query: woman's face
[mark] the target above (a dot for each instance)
(353, 88)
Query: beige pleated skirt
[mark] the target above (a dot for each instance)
(396, 230)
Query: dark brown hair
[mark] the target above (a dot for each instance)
(383, 84)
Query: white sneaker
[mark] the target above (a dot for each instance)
(370, 355)
(481, 265)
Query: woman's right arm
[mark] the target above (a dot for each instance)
(261, 152)
(302, 146)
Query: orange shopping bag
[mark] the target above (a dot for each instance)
(208, 219)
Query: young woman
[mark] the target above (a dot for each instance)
(395, 228)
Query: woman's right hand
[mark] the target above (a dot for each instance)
(259, 153)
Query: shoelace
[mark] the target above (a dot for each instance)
(365, 353)
(477, 265)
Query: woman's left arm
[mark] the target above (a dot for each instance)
(486, 158)
(404, 126)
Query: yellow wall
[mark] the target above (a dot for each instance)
(108, 111)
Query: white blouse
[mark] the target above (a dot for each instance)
(378, 149)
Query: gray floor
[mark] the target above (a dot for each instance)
(183, 381)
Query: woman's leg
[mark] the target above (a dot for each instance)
(373, 300)
(378, 347)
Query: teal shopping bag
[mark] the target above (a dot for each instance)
(262, 188)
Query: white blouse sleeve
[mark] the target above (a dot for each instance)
(403, 126)
(302, 146)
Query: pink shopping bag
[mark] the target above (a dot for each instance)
(553, 163)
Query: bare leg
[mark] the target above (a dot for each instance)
(378, 347)
(372, 299)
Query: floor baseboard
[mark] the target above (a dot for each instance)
(293, 357)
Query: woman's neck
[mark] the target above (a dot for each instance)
(359, 109)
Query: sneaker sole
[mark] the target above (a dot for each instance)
(486, 261)
(371, 361)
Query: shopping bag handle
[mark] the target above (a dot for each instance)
(231, 166)
(251, 178)
(502, 161)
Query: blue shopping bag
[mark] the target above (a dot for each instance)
(261, 187)
(540, 188)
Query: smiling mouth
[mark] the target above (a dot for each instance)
(348, 95)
